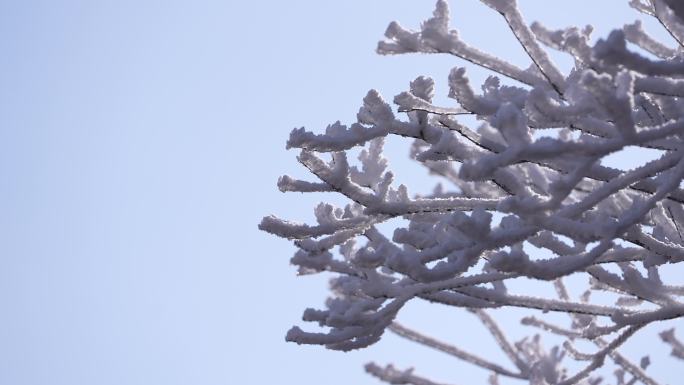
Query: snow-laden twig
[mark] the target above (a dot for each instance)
(677, 346)
(451, 350)
(530, 177)
(393, 376)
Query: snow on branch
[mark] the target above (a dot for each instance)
(531, 178)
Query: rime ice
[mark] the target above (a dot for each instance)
(551, 192)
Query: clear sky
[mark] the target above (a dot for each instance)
(140, 143)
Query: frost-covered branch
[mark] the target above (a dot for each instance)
(528, 196)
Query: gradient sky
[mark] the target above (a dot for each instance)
(140, 143)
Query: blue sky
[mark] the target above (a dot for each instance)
(140, 143)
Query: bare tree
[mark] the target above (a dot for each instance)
(528, 181)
